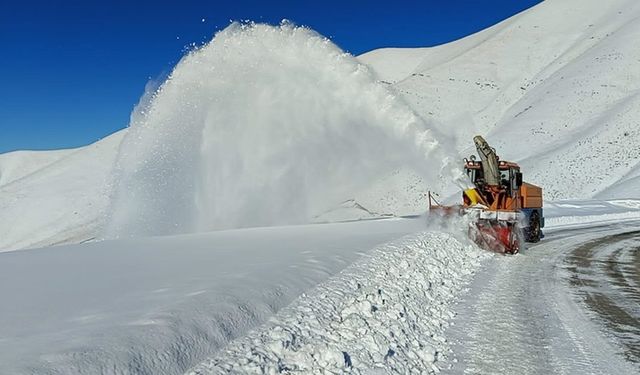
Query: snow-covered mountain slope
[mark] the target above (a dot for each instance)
(18, 164)
(627, 186)
(62, 201)
(394, 64)
(554, 88)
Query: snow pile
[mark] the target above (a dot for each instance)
(264, 126)
(385, 312)
(161, 305)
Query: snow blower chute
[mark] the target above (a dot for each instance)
(503, 209)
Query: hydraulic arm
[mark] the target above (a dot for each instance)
(489, 161)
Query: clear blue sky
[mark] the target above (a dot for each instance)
(73, 70)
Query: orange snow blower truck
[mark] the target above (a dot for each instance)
(502, 208)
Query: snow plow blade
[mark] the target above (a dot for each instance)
(495, 231)
(497, 235)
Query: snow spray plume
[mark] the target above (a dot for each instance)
(265, 125)
(456, 225)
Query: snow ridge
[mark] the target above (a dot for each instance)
(387, 312)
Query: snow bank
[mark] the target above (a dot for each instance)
(569, 213)
(162, 305)
(263, 126)
(386, 312)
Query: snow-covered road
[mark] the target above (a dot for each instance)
(540, 312)
(351, 297)
(606, 273)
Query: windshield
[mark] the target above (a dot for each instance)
(504, 177)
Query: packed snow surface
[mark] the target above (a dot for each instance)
(265, 125)
(568, 305)
(161, 305)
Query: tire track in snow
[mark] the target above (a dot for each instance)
(521, 316)
(603, 279)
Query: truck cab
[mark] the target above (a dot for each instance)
(512, 194)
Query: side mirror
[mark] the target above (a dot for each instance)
(518, 179)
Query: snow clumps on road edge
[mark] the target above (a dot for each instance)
(386, 312)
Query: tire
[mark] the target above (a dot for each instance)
(533, 232)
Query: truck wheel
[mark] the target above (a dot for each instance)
(534, 228)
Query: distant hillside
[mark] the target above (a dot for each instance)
(554, 88)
